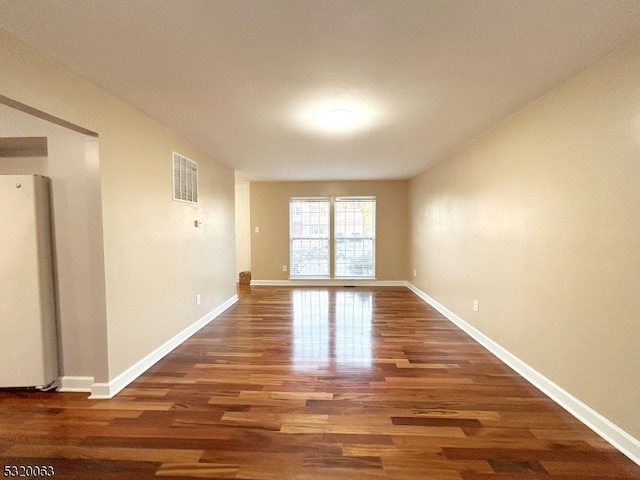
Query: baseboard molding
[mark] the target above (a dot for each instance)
(108, 390)
(68, 383)
(623, 441)
(329, 282)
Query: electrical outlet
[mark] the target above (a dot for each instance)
(415, 273)
(284, 268)
(197, 299)
(475, 305)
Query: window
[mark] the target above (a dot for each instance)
(354, 227)
(309, 237)
(353, 247)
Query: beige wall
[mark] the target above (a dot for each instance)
(156, 261)
(243, 227)
(538, 220)
(270, 212)
(77, 228)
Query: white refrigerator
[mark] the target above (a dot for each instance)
(28, 327)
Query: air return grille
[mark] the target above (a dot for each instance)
(185, 179)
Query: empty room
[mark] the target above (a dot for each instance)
(338, 239)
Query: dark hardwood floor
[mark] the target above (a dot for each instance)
(313, 383)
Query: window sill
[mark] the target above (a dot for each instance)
(350, 279)
(309, 278)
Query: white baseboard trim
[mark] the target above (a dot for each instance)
(108, 390)
(329, 282)
(68, 383)
(623, 441)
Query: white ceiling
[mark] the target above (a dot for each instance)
(242, 79)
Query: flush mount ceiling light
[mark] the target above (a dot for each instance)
(323, 114)
(340, 119)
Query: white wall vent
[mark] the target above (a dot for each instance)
(185, 179)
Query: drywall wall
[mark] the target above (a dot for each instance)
(270, 213)
(77, 229)
(538, 221)
(156, 261)
(243, 227)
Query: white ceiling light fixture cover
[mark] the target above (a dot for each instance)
(340, 119)
(324, 114)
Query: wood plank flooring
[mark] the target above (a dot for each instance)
(313, 383)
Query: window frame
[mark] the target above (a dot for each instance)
(334, 265)
(362, 238)
(316, 236)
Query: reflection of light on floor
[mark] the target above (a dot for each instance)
(310, 328)
(353, 328)
(323, 335)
